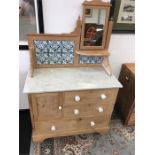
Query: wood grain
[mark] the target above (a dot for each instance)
(66, 127)
(45, 113)
(46, 106)
(93, 53)
(89, 96)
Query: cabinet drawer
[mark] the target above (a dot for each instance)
(89, 96)
(56, 127)
(75, 111)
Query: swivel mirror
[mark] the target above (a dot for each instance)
(94, 24)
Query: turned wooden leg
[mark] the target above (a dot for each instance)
(106, 65)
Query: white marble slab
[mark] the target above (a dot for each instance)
(69, 79)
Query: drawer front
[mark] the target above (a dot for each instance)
(71, 125)
(89, 96)
(99, 109)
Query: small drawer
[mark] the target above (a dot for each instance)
(86, 110)
(89, 96)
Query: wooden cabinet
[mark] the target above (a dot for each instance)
(72, 106)
(125, 103)
(91, 113)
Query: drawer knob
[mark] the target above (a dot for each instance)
(60, 107)
(92, 124)
(100, 109)
(103, 96)
(76, 112)
(53, 128)
(126, 78)
(77, 98)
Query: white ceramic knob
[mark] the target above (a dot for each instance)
(92, 124)
(60, 107)
(77, 98)
(53, 128)
(76, 112)
(126, 78)
(100, 109)
(103, 96)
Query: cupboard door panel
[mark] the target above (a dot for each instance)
(46, 106)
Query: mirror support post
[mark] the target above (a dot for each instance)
(31, 50)
(105, 64)
(110, 25)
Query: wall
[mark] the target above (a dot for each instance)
(122, 46)
(96, 17)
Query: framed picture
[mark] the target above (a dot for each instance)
(88, 12)
(123, 13)
(30, 20)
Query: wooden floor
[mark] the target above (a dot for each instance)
(25, 131)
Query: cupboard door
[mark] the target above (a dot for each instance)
(46, 106)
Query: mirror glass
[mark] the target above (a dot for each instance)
(94, 26)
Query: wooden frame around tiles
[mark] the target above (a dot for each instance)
(73, 36)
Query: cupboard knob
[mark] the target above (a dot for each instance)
(53, 128)
(92, 124)
(77, 98)
(100, 109)
(103, 96)
(76, 111)
(60, 107)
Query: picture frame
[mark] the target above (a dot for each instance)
(123, 14)
(30, 20)
(88, 12)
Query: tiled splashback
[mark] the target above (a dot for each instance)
(54, 52)
(90, 59)
(60, 52)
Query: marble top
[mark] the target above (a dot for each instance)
(69, 79)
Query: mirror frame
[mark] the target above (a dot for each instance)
(95, 4)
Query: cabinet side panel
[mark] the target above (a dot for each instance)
(31, 110)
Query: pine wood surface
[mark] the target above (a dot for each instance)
(93, 53)
(89, 96)
(45, 113)
(67, 127)
(95, 5)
